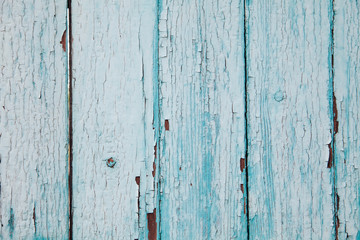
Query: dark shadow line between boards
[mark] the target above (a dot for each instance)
(70, 115)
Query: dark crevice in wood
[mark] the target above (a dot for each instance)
(137, 180)
(246, 201)
(70, 126)
(34, 218)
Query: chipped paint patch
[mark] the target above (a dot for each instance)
(330, 161)
(154, 169)
(137, 180)
(152, 225)
(167, 126)
(242, 164)
(63, 41)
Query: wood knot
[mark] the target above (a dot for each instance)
(279, 96)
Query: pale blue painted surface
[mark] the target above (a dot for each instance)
(289, 93)
(113, 69)
(347, 92)
(202, 79)
(168, 98)
(33, 120)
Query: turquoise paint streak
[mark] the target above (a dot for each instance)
(201, 97)
(11, 223)
(157, 126)
(288, 135)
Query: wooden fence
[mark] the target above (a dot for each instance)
(180, 119)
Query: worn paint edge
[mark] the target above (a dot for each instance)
(334, 121)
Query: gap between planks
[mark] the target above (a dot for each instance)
(70, 123)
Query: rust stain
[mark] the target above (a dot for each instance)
(329, 165)
(63, 41)
(167, 127)
(137, 180)
(242, 164)
(152, 225)
(242, 188)
(335, 117)
(154, 169)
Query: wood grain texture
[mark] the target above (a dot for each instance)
(201, 74)
(169, 98)
(33, 120)
(347, 93)
(113, 51)
(289, 83)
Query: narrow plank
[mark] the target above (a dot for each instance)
(33, 120)
(201, 71)
(113, 51)
(347, 96)
(289, 103)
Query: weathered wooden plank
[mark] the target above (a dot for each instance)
(33, 120)
(347, 108)
(201, 74)
(113, 118)
(289, 104)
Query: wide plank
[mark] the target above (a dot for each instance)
(33, 120)
(289, 125)
(113, 135)
(347, 117)
(202, 120)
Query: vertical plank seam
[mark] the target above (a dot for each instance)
(334, 122)
(246, 126)
(70, 126)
